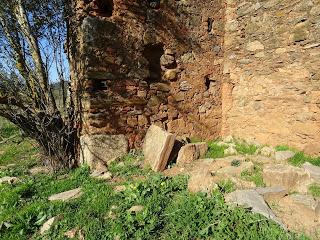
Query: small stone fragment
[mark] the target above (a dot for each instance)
(9, 180)
(231, 150)
(65, 196)
(170, 75)
(119, 188)
(266, 151)
(101, 175)
(48, 224)
(71, 233)
(37, 170)
(136, 209)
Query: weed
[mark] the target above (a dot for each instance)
(300, 158)
(254, 176)
(314, 190)
(245, 148)
(226, 186)
(215, 150)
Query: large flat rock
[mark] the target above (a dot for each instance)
(9, 180)
(292, 178)
(97, 150)
(314, 171)
(201, 180)
(253, 200)
(157, 147)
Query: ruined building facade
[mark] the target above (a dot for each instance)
(198, 68)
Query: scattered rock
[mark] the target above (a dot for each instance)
(254, 46)
(185, 86)
(167, 61)
(48, 224)
(191, 152)
(292, 178)
(157, 147)
(9, 180)
(37, 170)
(283, 155)
(187, 57)
(119, 188)
(101, 175)
(266, 151)
(65, 196)
(71, 233)
(253, 200)
(314, 171)
(271, 194)
(136, 209)
(201, 181)
(231, 150)
(170, 75)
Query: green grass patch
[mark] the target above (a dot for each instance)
(169, 211)
(245, 148)
(215, 150)
(300, 158)
(254, 176)
(16, 150)
(314, 190)
(226, 186)
(282, 148)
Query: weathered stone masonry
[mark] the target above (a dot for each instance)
(199, 68)
(272, 72)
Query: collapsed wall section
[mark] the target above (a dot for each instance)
(271, 90)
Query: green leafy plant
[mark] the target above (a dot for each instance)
(314, 190)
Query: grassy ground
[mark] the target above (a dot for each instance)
(169, 210)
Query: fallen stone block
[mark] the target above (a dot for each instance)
(191, 152)
(253, 200)
(97, 150)
(289, 177)
(157, 147)
(65, 196)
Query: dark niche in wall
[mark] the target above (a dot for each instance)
(153, 53)
(103, 7)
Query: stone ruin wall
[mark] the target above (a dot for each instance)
(199, 68)
(144, 63)
(271, 90)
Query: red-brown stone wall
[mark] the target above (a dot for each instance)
(144, 62)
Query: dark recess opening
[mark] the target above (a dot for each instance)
(153, 53)
(207, 82)
(104, 7)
